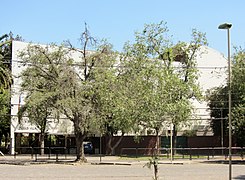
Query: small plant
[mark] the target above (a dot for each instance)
(153, 162)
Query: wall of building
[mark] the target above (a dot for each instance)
(212, 70)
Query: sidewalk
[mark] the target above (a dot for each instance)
(92, 159)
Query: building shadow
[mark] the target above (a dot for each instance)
(239, 177)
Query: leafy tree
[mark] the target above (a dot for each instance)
(186, 54)
(238, 91)
(4, 94)
(4, 115)
(218, 100)
(5, 54)
(5, 83)
(38, 110)
(238, 122)
(114, 101)
(67, 84)
(163, 75)
(39, 80)
(5, 58)
(79, 99)
(218, 104)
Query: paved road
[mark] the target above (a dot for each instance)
(131, 170)
(120, 172)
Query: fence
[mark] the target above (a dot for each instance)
(190, 153)
(57, 153)
(50, 153)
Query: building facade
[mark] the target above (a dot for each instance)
(211, 64)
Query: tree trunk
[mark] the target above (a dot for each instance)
(109, 146)
(155, 171)
(174, 139)
(156, 152)
(1, 136)
(80, 135)
(111, 149)
(6, 137)
(80, 149)
(42, 135)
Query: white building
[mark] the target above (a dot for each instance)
(64, 126)
(212, 69)
(212, 66)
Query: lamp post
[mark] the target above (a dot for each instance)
(171, 142)
(227, 26)
(222, 132)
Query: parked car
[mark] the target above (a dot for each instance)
(88, 147)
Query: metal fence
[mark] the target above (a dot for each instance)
(50, 153)
(58, 153)
(184, 153)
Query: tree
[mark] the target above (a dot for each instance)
(5, 80)
(5, 83)
(238, 117)
(5, 55)
(218, 104)
(218, 100)
(4, 115)
(238, 91)
(114, 102)
(67, 83)
(39, 80)
(79, 99)
(163, 75)
(38, 108)
(5, 58)
(186, 54)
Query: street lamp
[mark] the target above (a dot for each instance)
(227, 26)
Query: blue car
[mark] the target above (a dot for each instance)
(88, 147)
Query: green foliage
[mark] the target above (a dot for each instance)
(5, 56)
(39, 81)
(38, 109)
(218, 103)
(141, 88)
(55, 82)
(4, 112)
(5, 82)
(5, 59)
(159, 87)
(190, 133)
(112, 101)
(238, 96)
(238, 122)
(219, 100)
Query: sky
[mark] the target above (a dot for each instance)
(48, 21)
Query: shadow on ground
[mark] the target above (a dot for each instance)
(242, 162)
(28, 162)
(240, 177)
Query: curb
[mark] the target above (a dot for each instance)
(15, 163)
(111, 163)
(174, 163)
